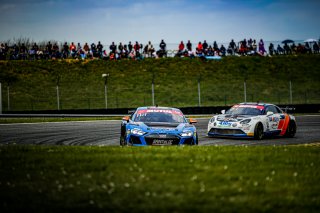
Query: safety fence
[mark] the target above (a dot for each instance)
(126, 98)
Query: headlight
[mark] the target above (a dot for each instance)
(212, 120)
(137, 132)
(246, 121)
(187, 133)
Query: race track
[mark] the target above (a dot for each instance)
(108, 133)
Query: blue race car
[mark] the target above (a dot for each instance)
(157, 126)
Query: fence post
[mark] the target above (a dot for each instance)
(199, 93)
(58, 97)
(8, 92)
(245, 91)
(0, 98)
(290, 88)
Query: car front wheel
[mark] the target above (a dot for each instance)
(122, 141)
(258, 131)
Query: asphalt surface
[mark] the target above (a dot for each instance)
(108, 133)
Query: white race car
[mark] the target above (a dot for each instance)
(252, 120)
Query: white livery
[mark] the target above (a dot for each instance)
(252, 120)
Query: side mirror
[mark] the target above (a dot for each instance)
(269, 113)
(192, 121)
(126, 118)
(223, 111)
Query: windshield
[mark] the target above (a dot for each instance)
(159, 115)
(246, 110)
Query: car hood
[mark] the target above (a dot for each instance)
(233, 118)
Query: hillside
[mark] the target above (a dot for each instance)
(32, 85)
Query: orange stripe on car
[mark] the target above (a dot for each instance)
(285, 125)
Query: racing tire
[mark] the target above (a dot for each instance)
(291, 130)
(197, 140)
(122, 141)
(258, 131)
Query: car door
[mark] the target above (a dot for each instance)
(274, 119)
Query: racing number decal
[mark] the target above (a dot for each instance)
(283, 124)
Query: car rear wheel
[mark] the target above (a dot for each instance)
(258, 131)
(291, 130)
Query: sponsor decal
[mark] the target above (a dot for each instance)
(274, 119)
(224, 124)
(249, 106)
(144, 111)
(162, 142)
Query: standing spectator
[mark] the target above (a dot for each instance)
(120, 47)
(49, 49)
(181, 46)
(79, 48)
(23, 52)
(250, 44)
(34, 50)
(125, 52)
(113, 48)
(271, 49)
(200, 47)
(163, 45)
(14, 55)
(2, 52)
(130, 46)
(189, 46)
(55, 51)
(162, 52)
(86, 48)
(287, 49)
(136, 47)
(73, 50)
(150, 49)
(100, 48)
(215, 46)
(94, 50)
(65, 51)
(205, 45)
(254, 45)
(315, 47)
(261, 47)
(5, 50)
(232, 47)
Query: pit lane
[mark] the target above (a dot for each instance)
(106, 133)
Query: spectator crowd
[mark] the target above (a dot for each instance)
(33, 51)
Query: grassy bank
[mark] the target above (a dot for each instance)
(32, 85)
(159, 179)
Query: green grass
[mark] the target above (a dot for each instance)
(159, 179)
(32, 84)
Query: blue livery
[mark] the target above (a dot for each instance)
(157, 126)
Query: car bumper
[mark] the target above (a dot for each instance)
(228, 132)
(160, 140)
